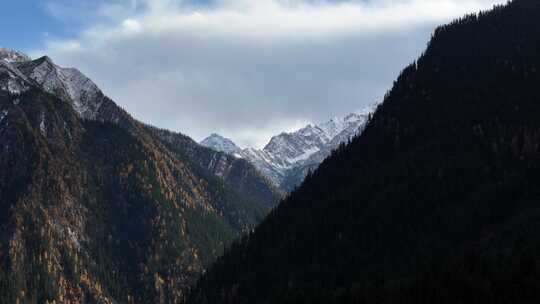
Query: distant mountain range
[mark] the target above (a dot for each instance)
(97, 207)
(288, 157)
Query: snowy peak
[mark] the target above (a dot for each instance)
(18, 73)
(67, 83)
(11, 79)
(221, 144)
(294, 153)
(12, 56)
(350, 123)
(297, 146)
(332, 127)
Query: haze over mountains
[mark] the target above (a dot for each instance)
(288, 157)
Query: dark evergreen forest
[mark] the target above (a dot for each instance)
(437, 201)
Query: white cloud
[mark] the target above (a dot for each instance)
(249, 69)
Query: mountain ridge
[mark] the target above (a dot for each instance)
(289, 156)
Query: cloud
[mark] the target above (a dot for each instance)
(250, 69)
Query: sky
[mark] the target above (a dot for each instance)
(246, 69)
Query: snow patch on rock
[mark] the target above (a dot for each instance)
(3, 115)
(11, 56)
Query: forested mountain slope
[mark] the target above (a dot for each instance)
(437, 201)
(96, 207)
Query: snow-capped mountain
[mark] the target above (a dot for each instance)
(222, 144)
(68, 83)
(287, 158)
(18, 73)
